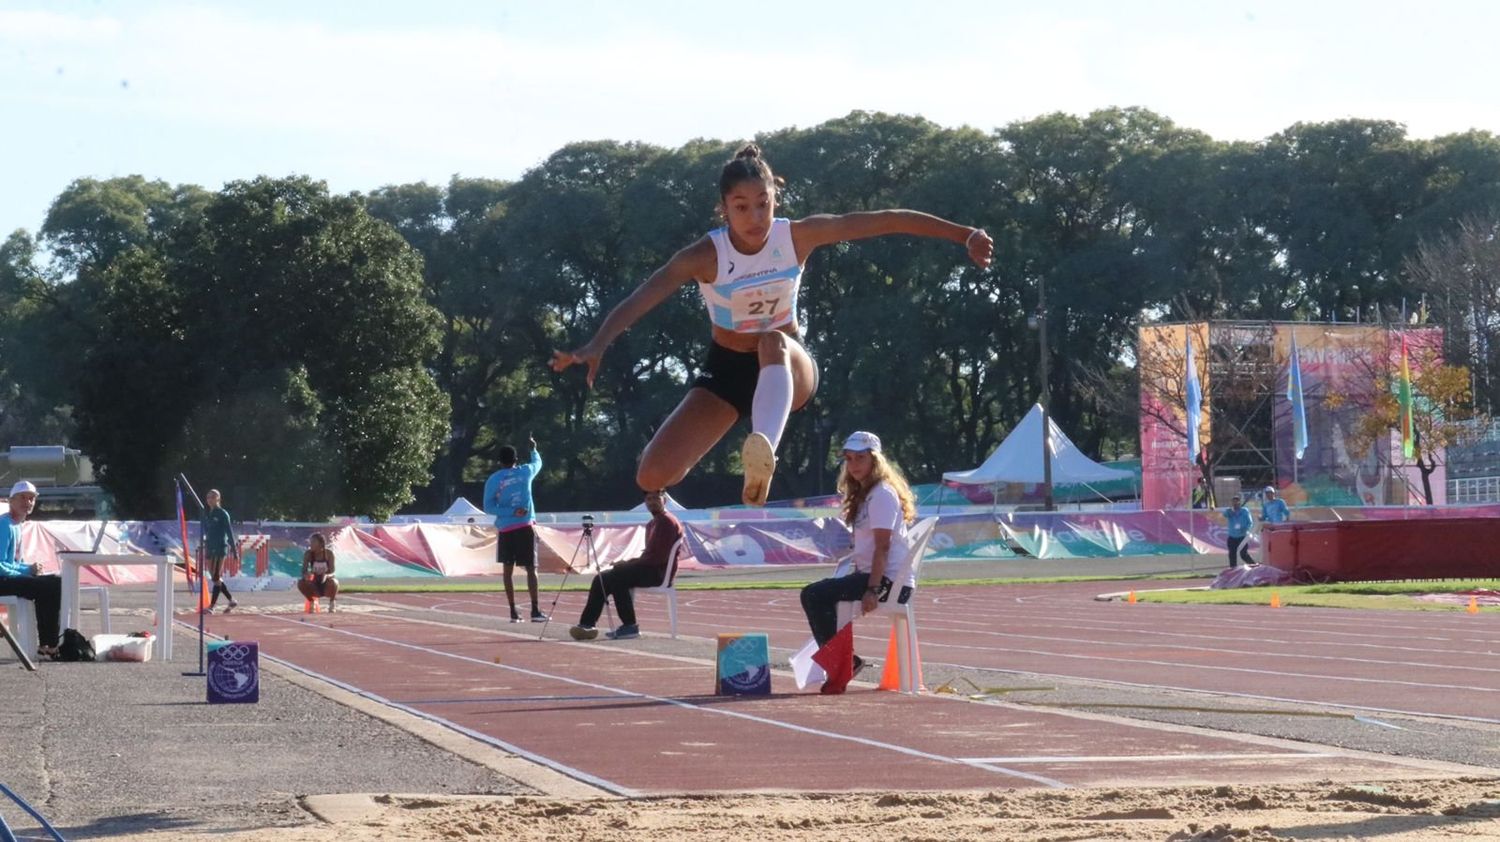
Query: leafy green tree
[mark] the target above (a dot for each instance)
(270, 293)
(33, 398)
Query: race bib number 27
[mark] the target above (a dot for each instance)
(761, 305)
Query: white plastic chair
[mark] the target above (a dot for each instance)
(102, 593)
(20, 616)
(903, 616)
(668, 587)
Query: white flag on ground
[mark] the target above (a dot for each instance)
(804, 668)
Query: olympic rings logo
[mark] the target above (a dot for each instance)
(234, 652)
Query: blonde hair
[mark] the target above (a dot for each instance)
(883, 470)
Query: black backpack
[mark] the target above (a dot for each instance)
(75, 647)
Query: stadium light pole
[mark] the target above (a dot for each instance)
(1040, 323)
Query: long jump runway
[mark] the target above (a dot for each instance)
(631, 721)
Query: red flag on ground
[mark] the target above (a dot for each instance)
(836, 657)
(187, 554)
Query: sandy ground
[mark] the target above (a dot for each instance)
(1465, 808)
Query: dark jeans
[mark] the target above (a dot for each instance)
(821, 602)
(1238, 545)
(46, 594)
(618, 580)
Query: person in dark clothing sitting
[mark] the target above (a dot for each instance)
(647, 571)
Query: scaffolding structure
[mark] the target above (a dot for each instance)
(1246, 424)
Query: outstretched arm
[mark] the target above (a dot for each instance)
(696, 261)
(824, 229)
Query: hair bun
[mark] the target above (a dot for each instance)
(749, 150)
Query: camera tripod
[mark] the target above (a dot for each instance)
(591, 562)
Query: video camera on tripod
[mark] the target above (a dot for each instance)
(591, 564)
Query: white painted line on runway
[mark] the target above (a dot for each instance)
(899, 749)
(1149, 758)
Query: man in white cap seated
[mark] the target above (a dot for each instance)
(1272, 508)
(17, 578)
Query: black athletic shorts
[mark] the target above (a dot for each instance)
(518, 546)
(732, 375)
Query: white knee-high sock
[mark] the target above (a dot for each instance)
(772, 403)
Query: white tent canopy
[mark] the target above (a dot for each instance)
(463, 508)
(1019, 459)
(671, 504)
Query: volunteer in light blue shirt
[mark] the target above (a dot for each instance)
(507, 496)
(17, 578)
(1273, 509)
(1238, 521)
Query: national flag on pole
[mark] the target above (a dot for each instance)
(1294, 394)
(1403, 396)
(1194, 397)
(187, 553)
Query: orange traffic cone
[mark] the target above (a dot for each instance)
(1275, 600)
(1131, 599)
(1473, 605)
(310, 607)
(890, 676)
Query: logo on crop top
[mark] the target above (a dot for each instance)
(731, 268)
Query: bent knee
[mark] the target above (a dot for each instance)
(651, 477)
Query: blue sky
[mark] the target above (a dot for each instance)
(368, 94)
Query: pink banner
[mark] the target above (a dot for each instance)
(369, 551)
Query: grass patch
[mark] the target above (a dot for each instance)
(1384, 595)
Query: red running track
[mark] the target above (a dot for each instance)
(1420, 663)
(634, 722)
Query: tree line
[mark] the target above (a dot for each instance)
(355, 353)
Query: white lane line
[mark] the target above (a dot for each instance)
(1368, 721)
(910, 752)
(1233, 695)
(1149, 758)
(576, 774)
(945, 624)
(1275, 673)
(1190, 666)
(1154, 686)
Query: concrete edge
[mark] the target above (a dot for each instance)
(361, 807)
(544, 781)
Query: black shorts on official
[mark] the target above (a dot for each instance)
(518, 547)
(731, 375)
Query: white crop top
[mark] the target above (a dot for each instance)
(754, 293)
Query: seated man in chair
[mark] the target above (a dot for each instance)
(17, 578)
(647, 571)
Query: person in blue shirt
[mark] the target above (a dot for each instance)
(17, 578)
(507, 496)
(1237, 519)
(1272, 508)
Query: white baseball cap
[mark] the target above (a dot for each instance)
(863, 441)
(1270, 489)
(22, 487)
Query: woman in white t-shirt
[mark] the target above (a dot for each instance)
(749, 273)
(878, 506)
